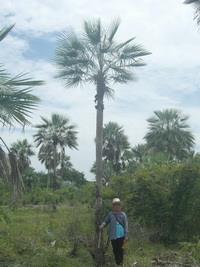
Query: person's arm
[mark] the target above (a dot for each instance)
(105, 222)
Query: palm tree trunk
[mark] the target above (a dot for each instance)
(54, 168)
(99, 254)
(62, 162)
(48, 178)
(16, 181)
(4, 166)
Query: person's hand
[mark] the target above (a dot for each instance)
(125, 241)
(101, 226)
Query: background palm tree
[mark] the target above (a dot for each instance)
(95, 57)
(140, 152)
(115, 146)
(46, 156)
(23, 151)
(169, 133)
(53, 137)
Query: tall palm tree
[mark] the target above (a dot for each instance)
(196, 4)
(170, 133)
(95, 57)
(115, 146)
(53, 137)
(23, 151)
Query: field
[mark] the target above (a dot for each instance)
(40, 236)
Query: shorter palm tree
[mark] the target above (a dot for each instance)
(115, 146)
(53, 137)
(140, 152)
(23, 151)
(170, 133)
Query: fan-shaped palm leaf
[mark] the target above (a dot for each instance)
(16, 99)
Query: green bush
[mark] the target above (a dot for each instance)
(41, 196)
(163, 198)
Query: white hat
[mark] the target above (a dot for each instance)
(116, 201)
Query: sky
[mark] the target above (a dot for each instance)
(170, 80)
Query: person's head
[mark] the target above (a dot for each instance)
(116, 205)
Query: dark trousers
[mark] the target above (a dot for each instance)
(117, 245)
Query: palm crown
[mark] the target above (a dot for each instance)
(57, 130)
(94, 56)
(170, 133)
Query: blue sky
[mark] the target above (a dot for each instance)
(171, 78)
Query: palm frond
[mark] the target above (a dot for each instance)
(121, 75)
(121, 45)
(93, 31)
(197, 6)
(96, 52)
(113, 28)
(109, 92)
(190, 1)
(72, 59)
(5, 31)
(22, 80)
(16, 104)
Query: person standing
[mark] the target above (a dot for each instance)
(118, 230)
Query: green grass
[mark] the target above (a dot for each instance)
(41, 237)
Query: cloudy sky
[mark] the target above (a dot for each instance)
(170, 79)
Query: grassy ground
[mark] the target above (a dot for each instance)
(41, 237)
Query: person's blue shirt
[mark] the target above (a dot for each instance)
(118, 225)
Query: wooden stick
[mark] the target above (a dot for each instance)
(99, 240)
